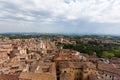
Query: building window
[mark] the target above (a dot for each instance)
(106, 75)
(65, 72)
(110, 76)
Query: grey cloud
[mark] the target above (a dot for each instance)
(12, 8)
(9, 6)
(40, 13)
(14, 18)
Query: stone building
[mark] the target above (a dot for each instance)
(78, 70)
(40, 71)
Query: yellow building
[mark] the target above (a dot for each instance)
(78, 70)
(88, 69)
(66, 76)
(65, 57)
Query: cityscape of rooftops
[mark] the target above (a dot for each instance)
(59, 40)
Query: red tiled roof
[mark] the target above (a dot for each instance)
(8, 77)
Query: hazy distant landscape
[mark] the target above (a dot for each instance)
(106, 46)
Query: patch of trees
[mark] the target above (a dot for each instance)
(102, 50)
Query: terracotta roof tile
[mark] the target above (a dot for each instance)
(8, 77)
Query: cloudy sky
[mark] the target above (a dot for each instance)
(60, 16)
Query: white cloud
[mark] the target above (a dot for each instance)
(100, 11)
(52, 16)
